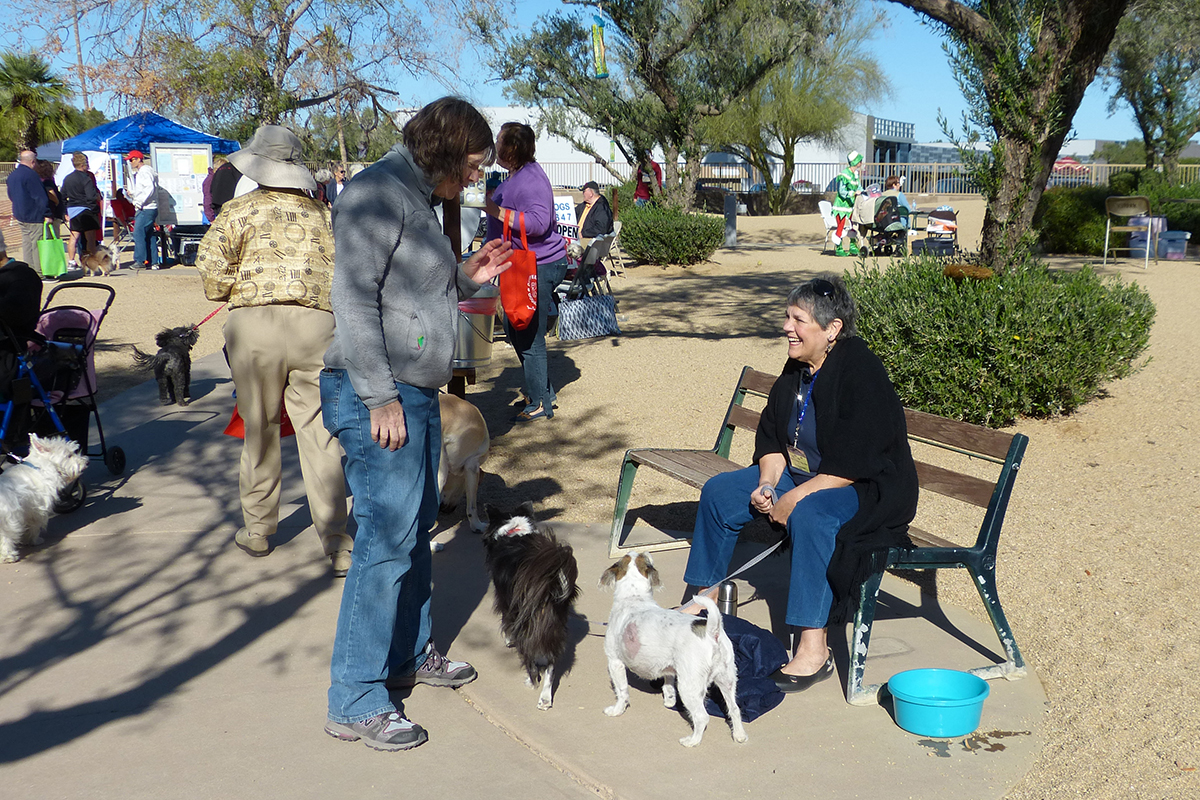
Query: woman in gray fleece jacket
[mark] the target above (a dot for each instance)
(396, 285)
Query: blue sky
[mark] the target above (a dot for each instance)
(913, 59)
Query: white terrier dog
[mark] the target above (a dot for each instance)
(685, 651)
(28, 491)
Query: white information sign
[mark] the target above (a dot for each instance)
(564, 213)
(181, 170)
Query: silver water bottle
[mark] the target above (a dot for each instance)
(727, 599)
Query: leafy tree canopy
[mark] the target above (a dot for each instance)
(811, 98)
(1154, 69)
(671, 65)
(1023, 66)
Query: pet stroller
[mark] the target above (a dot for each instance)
(70, 332)
(887, 231)
(42, 366)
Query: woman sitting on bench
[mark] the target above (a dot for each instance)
(832, 464)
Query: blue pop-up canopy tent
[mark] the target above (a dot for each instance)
(136, 132)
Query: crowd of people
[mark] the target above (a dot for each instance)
(345, 321)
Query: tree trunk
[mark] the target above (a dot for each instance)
(83, 90)
(1008, 221)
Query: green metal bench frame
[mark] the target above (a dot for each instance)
(692, 467)
(932, 552)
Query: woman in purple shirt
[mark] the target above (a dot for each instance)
(528, 191)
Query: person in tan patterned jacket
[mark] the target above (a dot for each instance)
(270, 254)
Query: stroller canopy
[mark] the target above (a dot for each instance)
(138, 131)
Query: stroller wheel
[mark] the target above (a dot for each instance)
(71, 498)
(114, 459)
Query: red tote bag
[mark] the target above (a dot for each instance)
(518, 283)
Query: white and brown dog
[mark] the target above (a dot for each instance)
(465, 444)
(687, 652)
(97, 263)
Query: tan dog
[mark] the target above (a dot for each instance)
(465, 444)
(97, 263)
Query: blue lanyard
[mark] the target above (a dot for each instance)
(803, 407)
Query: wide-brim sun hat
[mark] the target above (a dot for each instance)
(854, 158)
(274, 158)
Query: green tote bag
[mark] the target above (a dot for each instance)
(52, 252)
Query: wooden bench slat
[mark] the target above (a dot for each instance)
(744, 418)
(692, 467)
(758, 382)
(966, 488)
(926, 539)
(959, 434)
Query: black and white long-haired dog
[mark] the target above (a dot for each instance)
(534, 577)
(172, 364)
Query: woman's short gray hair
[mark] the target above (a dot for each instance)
(827, 298)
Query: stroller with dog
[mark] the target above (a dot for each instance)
(48, 381)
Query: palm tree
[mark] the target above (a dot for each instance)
(32, 100)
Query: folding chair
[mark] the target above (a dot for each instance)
(616, 264)
(826, 209)
(1127, 207)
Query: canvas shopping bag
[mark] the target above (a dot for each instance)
(52, 252)
(518, 283)
(587, 317)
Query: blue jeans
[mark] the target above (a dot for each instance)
(144, 242)
(530, 343)
(813, 525)
(383, 623)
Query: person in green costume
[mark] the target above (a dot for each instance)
(847, 190)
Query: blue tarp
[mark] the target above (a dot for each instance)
(138, 131)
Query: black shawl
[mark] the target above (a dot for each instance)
(862, 437)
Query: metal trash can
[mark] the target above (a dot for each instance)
(476, 318)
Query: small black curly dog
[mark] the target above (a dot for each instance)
(172, 364)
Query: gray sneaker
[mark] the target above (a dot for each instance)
(436, 671)
(384, 732)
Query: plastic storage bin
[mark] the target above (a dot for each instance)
(1172, 245)
(1137, 239)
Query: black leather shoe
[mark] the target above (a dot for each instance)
(798, 683)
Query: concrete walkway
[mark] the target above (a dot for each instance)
(143, 656)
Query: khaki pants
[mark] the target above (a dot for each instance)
(31, 234)
(278, 352)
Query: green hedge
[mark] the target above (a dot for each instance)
(664, 235)
(1028, 343)
(1071, 221)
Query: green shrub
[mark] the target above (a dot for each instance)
(1072, 220)
(664, 235)
(1027, 343)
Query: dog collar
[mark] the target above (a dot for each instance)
(22, 462)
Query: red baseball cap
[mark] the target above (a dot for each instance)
(132, 154)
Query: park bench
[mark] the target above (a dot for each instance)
(957, 439)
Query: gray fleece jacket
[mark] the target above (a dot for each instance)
(396, 282)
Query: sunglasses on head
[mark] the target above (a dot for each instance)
(821, 287)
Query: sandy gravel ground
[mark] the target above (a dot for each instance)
(1098, 561)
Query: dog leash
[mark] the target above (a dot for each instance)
(210, 316)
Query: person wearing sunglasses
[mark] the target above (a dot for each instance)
(832, 465)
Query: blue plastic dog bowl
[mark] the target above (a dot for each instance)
(938, 702)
